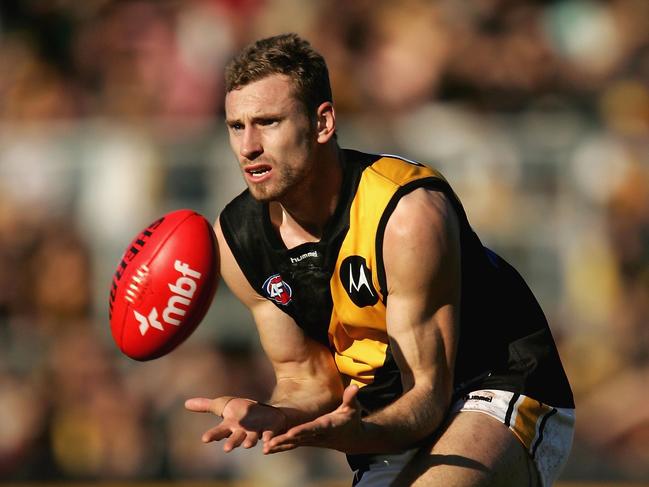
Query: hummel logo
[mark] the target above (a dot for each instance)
(478, 397)
(356, 277)
(313, 254)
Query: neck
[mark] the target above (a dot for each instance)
(302, 216)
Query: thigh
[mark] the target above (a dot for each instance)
(473, 450)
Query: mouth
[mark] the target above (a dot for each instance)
(257, 171)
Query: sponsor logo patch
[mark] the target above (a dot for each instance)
(278, 290)
(357, 280)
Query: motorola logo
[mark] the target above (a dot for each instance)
(357, 280)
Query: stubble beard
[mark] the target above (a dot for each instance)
(277, 188)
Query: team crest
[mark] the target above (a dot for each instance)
(278, 290)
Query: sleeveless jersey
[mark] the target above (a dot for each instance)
(336, 290)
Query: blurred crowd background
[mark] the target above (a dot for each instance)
(111, 114)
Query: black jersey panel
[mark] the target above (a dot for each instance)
(296, 280)
(239, 219)
(505, 332)
(385, 388)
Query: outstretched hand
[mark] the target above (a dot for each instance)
(244, 423)
(340, 429)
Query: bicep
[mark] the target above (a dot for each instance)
(293, 354)
(421, 253)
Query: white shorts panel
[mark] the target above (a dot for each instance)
(546, 432)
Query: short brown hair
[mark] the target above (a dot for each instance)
(286, 54)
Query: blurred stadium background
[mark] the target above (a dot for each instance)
(111, 114)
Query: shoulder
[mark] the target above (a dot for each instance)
(239, 222)
(421, 212)
(231, 270)
(422, 241)
(239, 240)
(404, 172)
(243, 203)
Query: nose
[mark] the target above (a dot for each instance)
(251, 146)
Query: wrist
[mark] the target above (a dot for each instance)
(225, 400)
(221, 402)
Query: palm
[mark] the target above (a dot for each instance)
(244, 422)
(339, 429)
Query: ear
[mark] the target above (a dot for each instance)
(325, 122)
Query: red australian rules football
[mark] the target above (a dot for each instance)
(163, 285)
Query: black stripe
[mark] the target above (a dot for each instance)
(541, 428)
(430, 182)
(510, 409)
(228, 229)
(386, 386)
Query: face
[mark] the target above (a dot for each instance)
(272, 137)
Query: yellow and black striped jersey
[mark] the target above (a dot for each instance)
(335, 289)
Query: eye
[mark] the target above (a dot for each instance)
(235, 126)
(268, 122)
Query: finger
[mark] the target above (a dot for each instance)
(291, 438)
(278, 440)
(279, 443)
(252, 437)
(280, 448)
(236, 438)
(349, 396)
(307, 430)
(266, 436)
(294, 439)
(216, 434)
(199, 405)
(292, 443)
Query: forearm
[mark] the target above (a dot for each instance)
(400, 425)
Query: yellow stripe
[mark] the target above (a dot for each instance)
(528, 413)
(358, 334)
(400, 172)
(361, 359)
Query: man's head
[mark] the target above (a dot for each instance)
(286, 54)
(280, 117)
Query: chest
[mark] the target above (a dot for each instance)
(335, 285)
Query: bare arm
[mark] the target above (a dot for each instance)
(421, 253)
(422, 264)
(308, 382)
